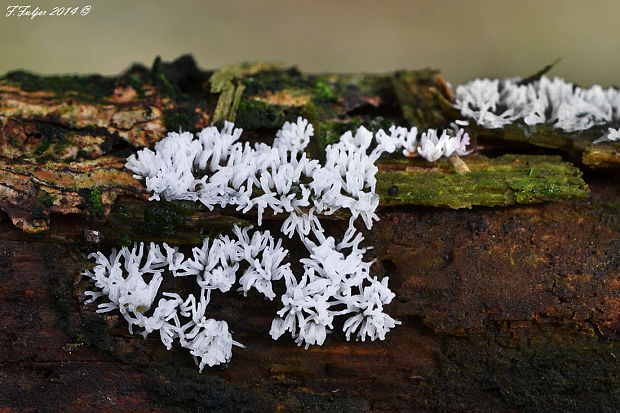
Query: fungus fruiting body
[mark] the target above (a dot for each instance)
(214, 168)
(555, 102)
(611, 135)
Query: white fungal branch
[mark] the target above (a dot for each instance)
(496, 103)
(336, 281)
(232, 173)
(264, 257)
(611, 135)
(215, 169)
(122, 278)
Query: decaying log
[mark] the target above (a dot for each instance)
(506, 277)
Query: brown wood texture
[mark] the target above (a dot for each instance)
(503, 309)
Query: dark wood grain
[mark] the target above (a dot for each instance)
(502, 309)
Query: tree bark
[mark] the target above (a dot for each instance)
(506, 277)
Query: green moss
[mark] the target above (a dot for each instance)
(324, 130)
(274, 80)
(96, 202)
(509, 179)
(185, 208)
(578, 145)
(254, 114)
(162, 84)
(45, 199)
(176, 222)
(328, 134)
(310, 112)
(80, 338)
(159, 79)
(135, 82)
(122, 213)
(160, 219)
(53, 139)
(86, 87)
(323, 90)
(42, 147)
(602, 155)
(379, 122)
(126, 240)
(229, 83)
(365, 84)
(613, 206)
(419, 106)
(180, 119)
(93, 202)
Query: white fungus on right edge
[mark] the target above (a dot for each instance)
(494, 103)
(611, 135)
(215, 169)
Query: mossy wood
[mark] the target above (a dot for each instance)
(510, 308)
(506, 180)
(64, 138)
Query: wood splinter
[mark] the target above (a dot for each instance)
(458, 164)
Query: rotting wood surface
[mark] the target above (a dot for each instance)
(504, 308)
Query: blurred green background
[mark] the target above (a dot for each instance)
(465, 39)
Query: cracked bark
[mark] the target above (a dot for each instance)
(503, 308)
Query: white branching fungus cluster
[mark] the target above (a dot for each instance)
(335, 281)
(611, 135)
(433, 146)
(131, 281)
(495, 103)
(215, 169)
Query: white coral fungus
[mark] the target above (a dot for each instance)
(611, 135)
(122, 278)
(215, 169)
(495, 103)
